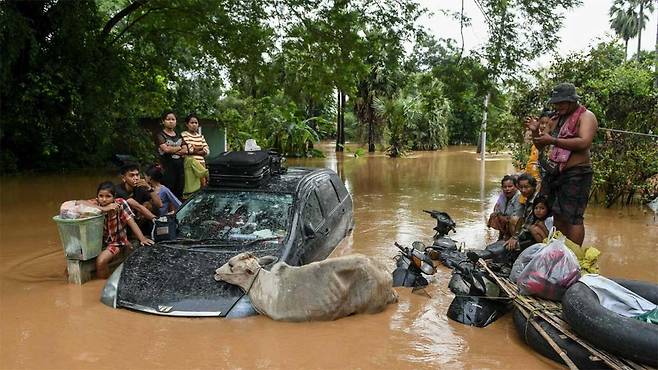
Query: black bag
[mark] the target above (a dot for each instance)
(547, 167)
(244, 168)
(164, 228)
(276, 163)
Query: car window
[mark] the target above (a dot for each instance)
(235, 215)
(340, 188)
(312, 212)
(328, 196)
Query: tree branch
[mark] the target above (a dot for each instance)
(132, 24)
(120, 15)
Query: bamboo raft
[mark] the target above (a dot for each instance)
(551, 312)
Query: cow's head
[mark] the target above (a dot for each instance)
(241, 270)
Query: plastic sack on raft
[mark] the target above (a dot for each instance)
(73, 210)
(588, 257)
(551, 271)
(524, 258)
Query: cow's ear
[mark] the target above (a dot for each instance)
(245, 256)
(267, 260)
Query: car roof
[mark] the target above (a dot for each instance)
(287, 182)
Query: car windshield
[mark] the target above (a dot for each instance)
(236, 216)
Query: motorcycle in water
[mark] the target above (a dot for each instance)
(444, 248)
(411, 264)
(478, 301)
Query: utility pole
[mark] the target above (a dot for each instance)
(483, 135)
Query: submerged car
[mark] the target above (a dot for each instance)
(299, 216)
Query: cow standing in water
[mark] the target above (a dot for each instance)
(324, 290)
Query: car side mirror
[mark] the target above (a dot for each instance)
(308, 230)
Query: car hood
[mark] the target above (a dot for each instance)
(174, 281)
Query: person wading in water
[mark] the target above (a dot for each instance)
(567, 172)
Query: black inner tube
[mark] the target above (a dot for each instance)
(578, 354)
(624, 336)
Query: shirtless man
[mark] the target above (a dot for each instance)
(568, 178)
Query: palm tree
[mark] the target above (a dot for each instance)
(395, 112)
(647, 5)
(624, 21)
(655, 55)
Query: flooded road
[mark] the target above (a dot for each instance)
(46, 323)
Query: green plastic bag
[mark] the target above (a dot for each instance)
(650, 317)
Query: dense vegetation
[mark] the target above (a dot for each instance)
(76, 77)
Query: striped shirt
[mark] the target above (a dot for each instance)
(195, 141)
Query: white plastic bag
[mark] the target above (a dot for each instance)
(551, 271)
(523, 259)
(73, 209)
(250, 145)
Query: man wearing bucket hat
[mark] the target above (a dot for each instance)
(567, 172)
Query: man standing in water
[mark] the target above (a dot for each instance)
(567, 172)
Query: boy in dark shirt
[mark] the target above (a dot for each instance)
(138, 193)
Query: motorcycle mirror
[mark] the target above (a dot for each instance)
(473, 257)
(423, 263)
(427, 268)
(308, 230)
(418, 245)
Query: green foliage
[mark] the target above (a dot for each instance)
(519, 30)
(395, 112)
(87, 71)
(417, 119)
(359, 152)
(60, 119)
(427, 124)
(275, 122)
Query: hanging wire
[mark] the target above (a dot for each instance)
(628, 132)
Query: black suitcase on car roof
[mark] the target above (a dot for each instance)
(240, 168)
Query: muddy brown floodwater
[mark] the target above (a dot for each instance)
(46, 323)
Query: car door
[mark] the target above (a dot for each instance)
(329, 232)
(311, 223)
(345, 210)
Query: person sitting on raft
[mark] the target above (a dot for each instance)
(508, 209)
(535, 229)
(118, 215)
(506, 251)
(541, 213)
(527, 185)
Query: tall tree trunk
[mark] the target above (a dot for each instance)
(461, 31)
(338, 148)
(655, 67)
(342, 120)
(625, 49)
(639, 32)
(371, 132)
(370, 119)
